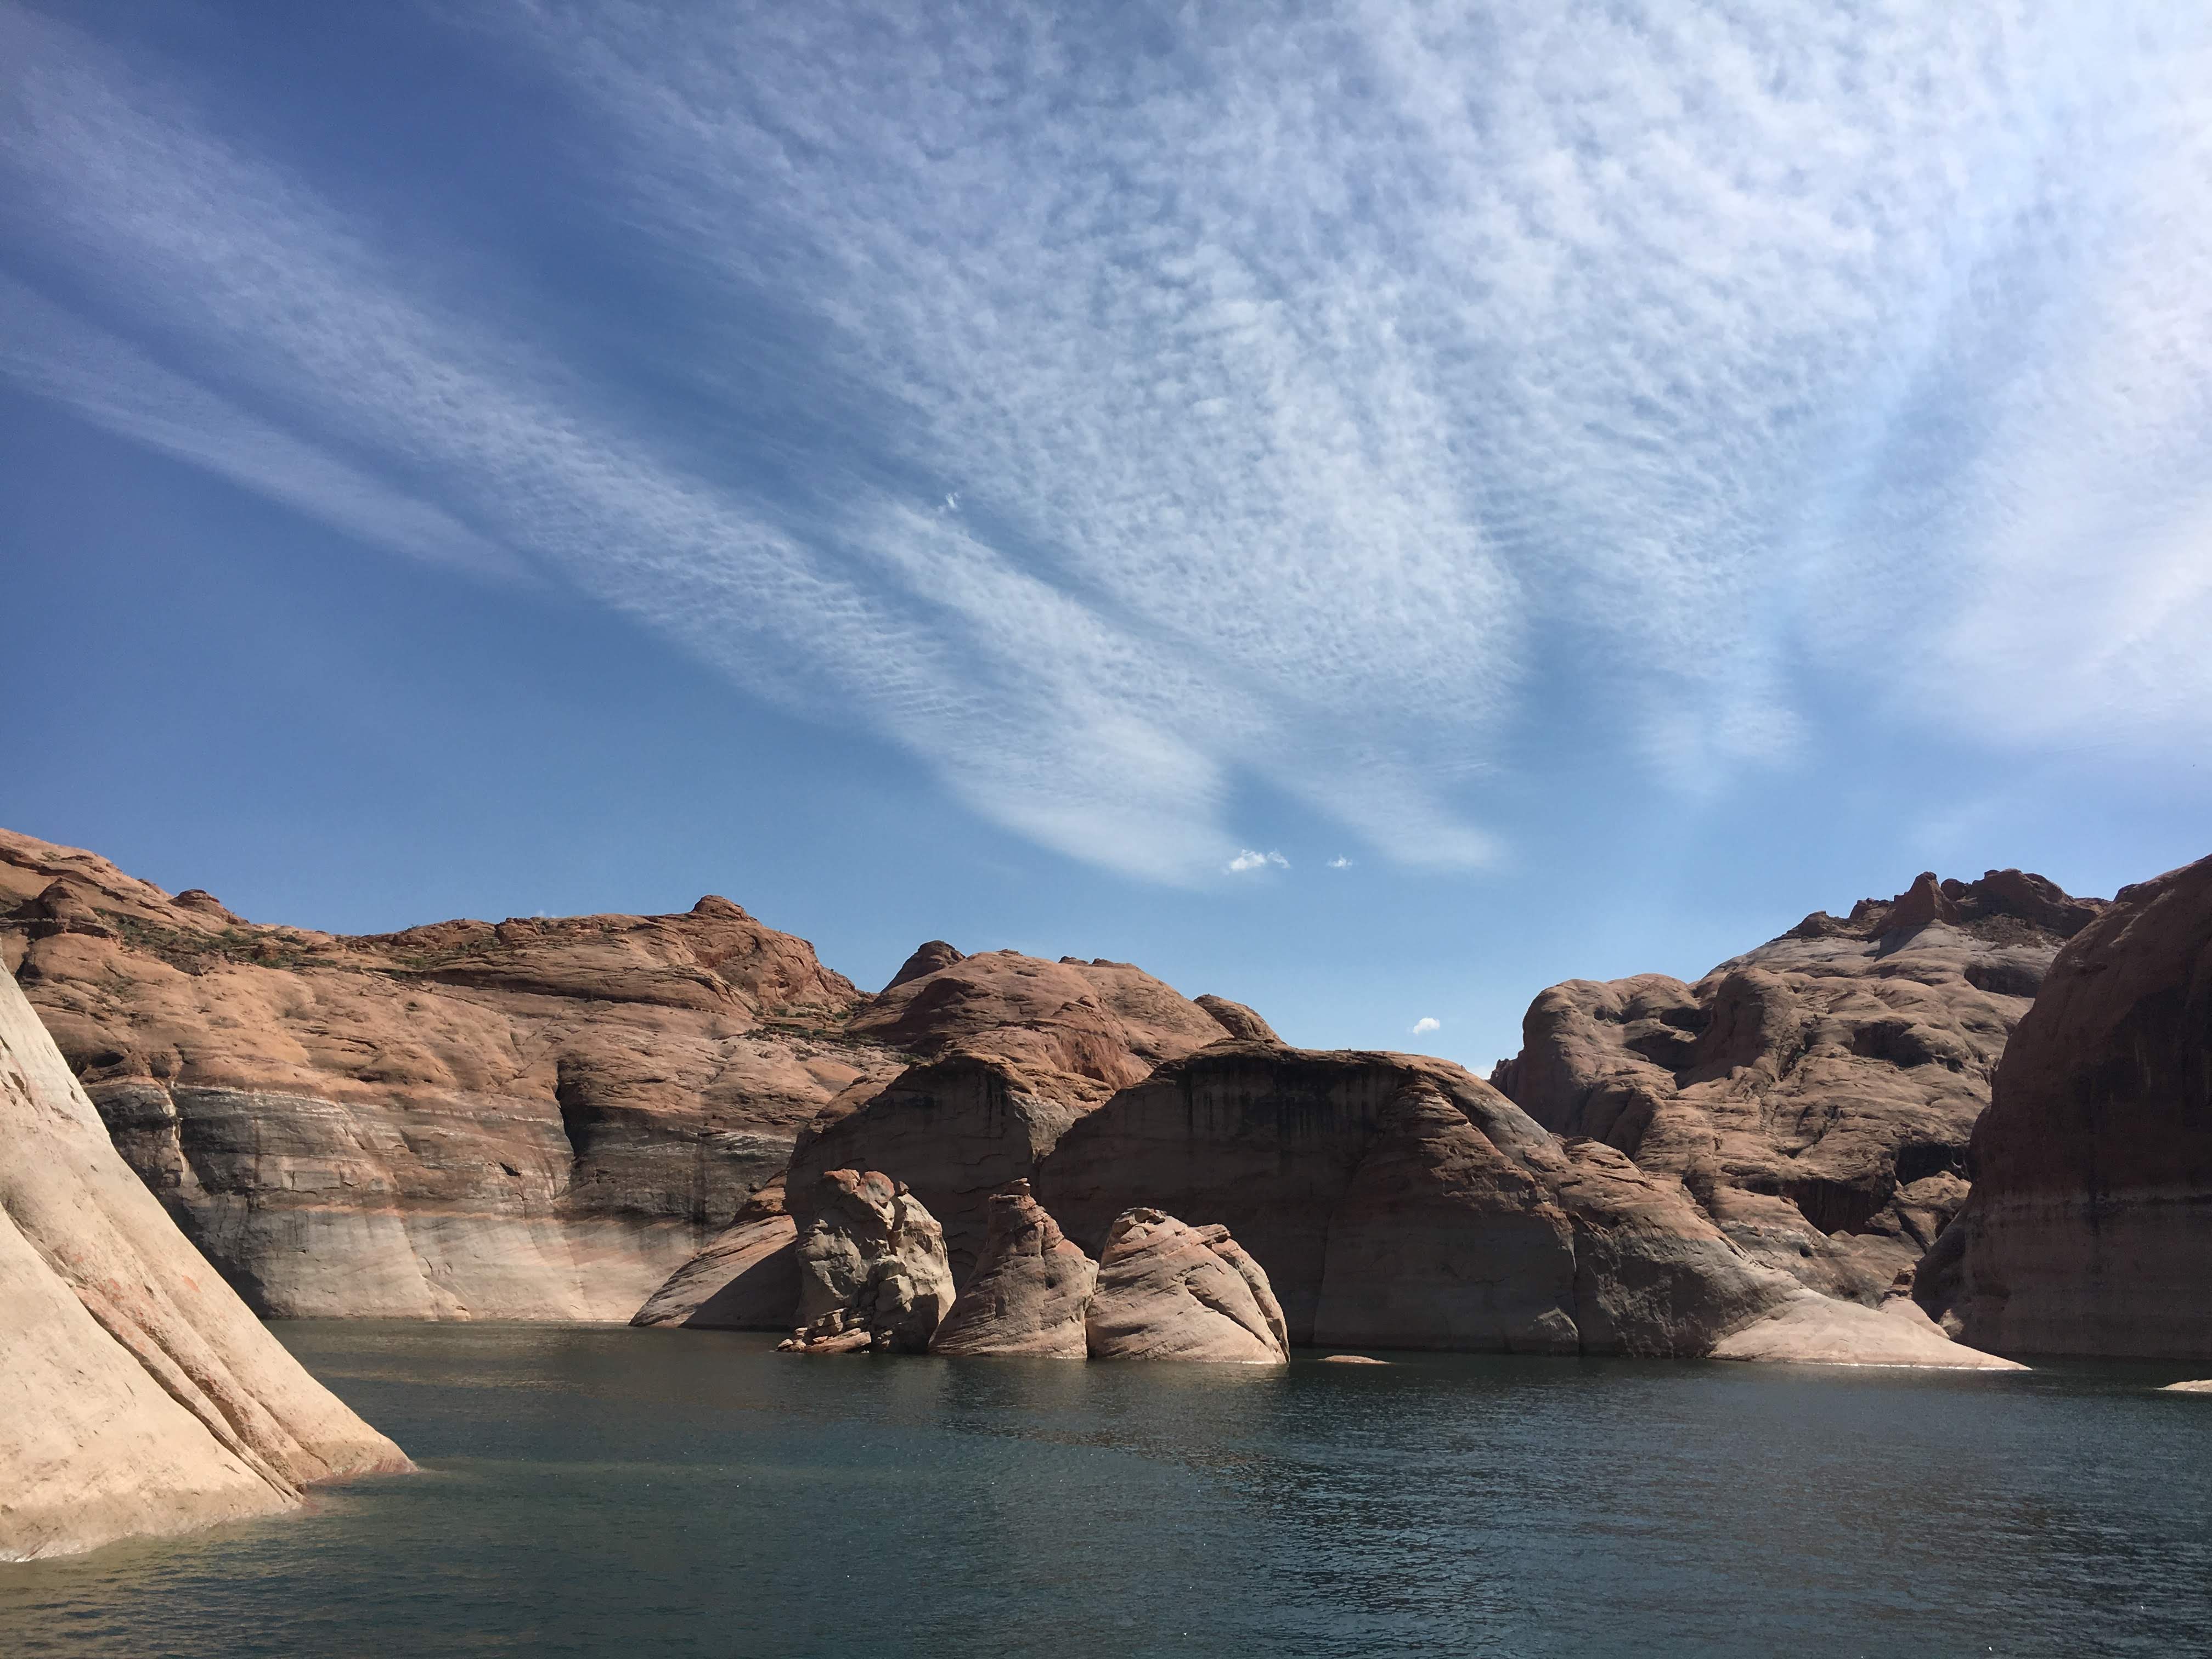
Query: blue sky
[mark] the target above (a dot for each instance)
(1367, 509)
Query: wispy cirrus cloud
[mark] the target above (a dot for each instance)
(1345, 403)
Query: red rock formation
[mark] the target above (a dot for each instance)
(1015, 1049)
(1167, 1290)
(1398, 1202)
(1027, 1295)
(540, 1119)
(927, 959)
(1240, 1022)
(2089, 1229)
(1102, 1025)
(1815, 1095)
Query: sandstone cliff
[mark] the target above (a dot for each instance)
(1816, 1095)
(139, 1395)
(539, 1118)
(2089, 1229)
(1030, 1290)
(534, 1120)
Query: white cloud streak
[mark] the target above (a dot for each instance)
(1242, 399)
(1423, 1025)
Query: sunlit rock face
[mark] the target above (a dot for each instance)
(1815, 1096)
(138, 1396)
(531, 1120)
(2089, 1229)
(1170, 1290)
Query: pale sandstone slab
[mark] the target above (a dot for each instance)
(870, 1260)
(139, 1395)
(1819, 1330)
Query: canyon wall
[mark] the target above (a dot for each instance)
(2089, 1229)
(1815, 1096)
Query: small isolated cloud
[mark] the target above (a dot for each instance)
(1340, 862)
(1423, 1026)
(1248, 859)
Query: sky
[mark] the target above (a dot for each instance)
(1366, 509)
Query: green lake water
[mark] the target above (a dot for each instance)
(601, 1491)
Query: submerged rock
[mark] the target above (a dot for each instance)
(872, 1267)
(139, 1395)
(2089, 1229)
(1029, 1291)
(1167, 1290)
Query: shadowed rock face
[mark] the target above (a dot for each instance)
(2089, 1229)
(1397, 1201)
(955, 1131)
(533, 1119)
(138, 1396)
(1816, 1095)
(1030, 1290)
(872, 1273)
(1168, 1291)
(747, 1279)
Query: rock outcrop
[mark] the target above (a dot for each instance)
(1030, 1290)
(747, 1279)
(1012, 1049)
(1167, 1290)
(138, 1396)
(1098, 1026)
(1816, 1095)
(1242, 1023)
(534, 1120)
(1398, 1202)
(2089, 1229)
(872, 1267)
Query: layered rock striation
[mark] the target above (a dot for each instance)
(531, 1120)
(1815, 1096)
(1168, 1291)
(139, 1395)
(2089, 1228)
(1030, 1290)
